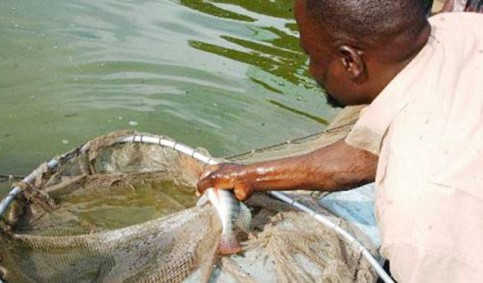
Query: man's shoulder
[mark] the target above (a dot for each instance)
(456, 41)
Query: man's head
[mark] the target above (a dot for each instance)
(356, 47)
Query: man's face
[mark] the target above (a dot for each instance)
(324, 65)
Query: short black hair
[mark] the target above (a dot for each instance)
(369, 21)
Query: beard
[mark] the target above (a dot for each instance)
(332, 101)
(329, 97)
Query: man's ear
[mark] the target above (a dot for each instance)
(351, 59)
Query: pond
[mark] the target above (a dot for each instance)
(227, 75)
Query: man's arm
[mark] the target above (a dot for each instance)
(335, 167)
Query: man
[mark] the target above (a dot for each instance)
(421, 138)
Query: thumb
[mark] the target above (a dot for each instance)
(242, 191)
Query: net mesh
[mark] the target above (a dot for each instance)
(123, 212)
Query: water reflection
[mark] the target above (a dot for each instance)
(225, 75)
(272, 43)
(210, 8)
(274, 8)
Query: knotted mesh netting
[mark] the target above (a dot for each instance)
(113, 211)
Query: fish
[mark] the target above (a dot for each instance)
(232, 214)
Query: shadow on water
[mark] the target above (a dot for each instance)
(225, 75)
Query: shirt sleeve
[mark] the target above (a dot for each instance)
(363, 135)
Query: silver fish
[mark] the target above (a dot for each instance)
(232, 214)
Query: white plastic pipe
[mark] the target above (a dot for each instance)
(52, 164)
(8, 199)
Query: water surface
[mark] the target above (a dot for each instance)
(227, 75)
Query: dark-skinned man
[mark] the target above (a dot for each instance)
(420, 139)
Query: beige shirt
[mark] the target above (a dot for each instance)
(427, 128)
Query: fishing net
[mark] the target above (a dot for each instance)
(119, 211)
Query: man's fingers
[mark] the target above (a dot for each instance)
(210, 169)
(224, 176)
(242, 191)
(216, 176)
(206, 179)
(202, 185)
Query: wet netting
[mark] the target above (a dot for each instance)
(118, 209)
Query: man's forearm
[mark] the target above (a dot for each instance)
(334, 167)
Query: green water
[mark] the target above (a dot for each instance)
(227, 75)
(105, 208)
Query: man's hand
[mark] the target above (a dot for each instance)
(226, 176)
(335, 167)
